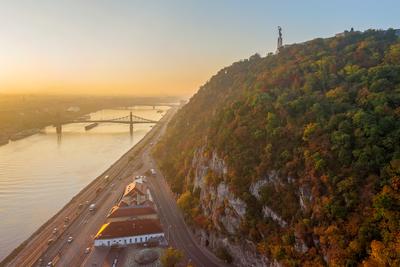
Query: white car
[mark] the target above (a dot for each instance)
(87, 250)
(70, 239)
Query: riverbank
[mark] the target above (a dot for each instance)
(38, 239)
(21, 114)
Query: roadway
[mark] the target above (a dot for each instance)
(83, 224)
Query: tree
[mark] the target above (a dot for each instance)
(171, 257)
(185, 202)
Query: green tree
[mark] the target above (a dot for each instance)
(171, 257)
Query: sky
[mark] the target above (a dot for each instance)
(160, 47)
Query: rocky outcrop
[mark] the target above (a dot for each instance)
(305, 197)
(255, 188)
(226, 211)
(268, 212)
(243, 252)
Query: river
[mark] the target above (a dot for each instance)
(41, 173)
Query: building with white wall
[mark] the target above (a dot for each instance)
(123, 233)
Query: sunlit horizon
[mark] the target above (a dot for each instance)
(154, 48)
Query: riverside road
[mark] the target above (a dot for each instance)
(77, 221)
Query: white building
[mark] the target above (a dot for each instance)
(122, 233)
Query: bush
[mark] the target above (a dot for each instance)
(224, 254)
(171, 257)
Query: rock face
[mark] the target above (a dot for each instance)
(226, 211)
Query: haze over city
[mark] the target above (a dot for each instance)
(157, 47)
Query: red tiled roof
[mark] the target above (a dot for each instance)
(129, 228)
(131, 211)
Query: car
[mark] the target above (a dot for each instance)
(70, 239)
(55, 231)
(87, 250)
(80, 205)
(92, 207)
(50, 241)
(50, 264)
(66, 219)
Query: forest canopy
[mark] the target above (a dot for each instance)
(324, 115)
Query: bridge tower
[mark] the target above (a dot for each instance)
(279, 39)
(58, 128)
(131, 123)
(58, 123)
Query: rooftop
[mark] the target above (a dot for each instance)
(131, 211)
(129, 228)
(139, 187)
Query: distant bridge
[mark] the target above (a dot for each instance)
(171, 105)
(130, 119)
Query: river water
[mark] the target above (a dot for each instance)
(41, 173)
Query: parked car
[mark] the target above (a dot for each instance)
(55, 231)
(70, 239)
(87, 250)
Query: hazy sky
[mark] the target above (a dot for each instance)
(158, 47)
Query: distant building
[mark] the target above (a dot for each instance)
(131, 213)
(129, 232)
(74, 109)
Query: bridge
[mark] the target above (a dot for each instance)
(171, 105)
(130, 119)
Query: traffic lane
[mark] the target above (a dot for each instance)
(178, 229)
(76, 213)
(177, 218)
(96, 257)
(85, 234)
(75, 230)
(176, 239)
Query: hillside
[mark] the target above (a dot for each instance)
(294, 158)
